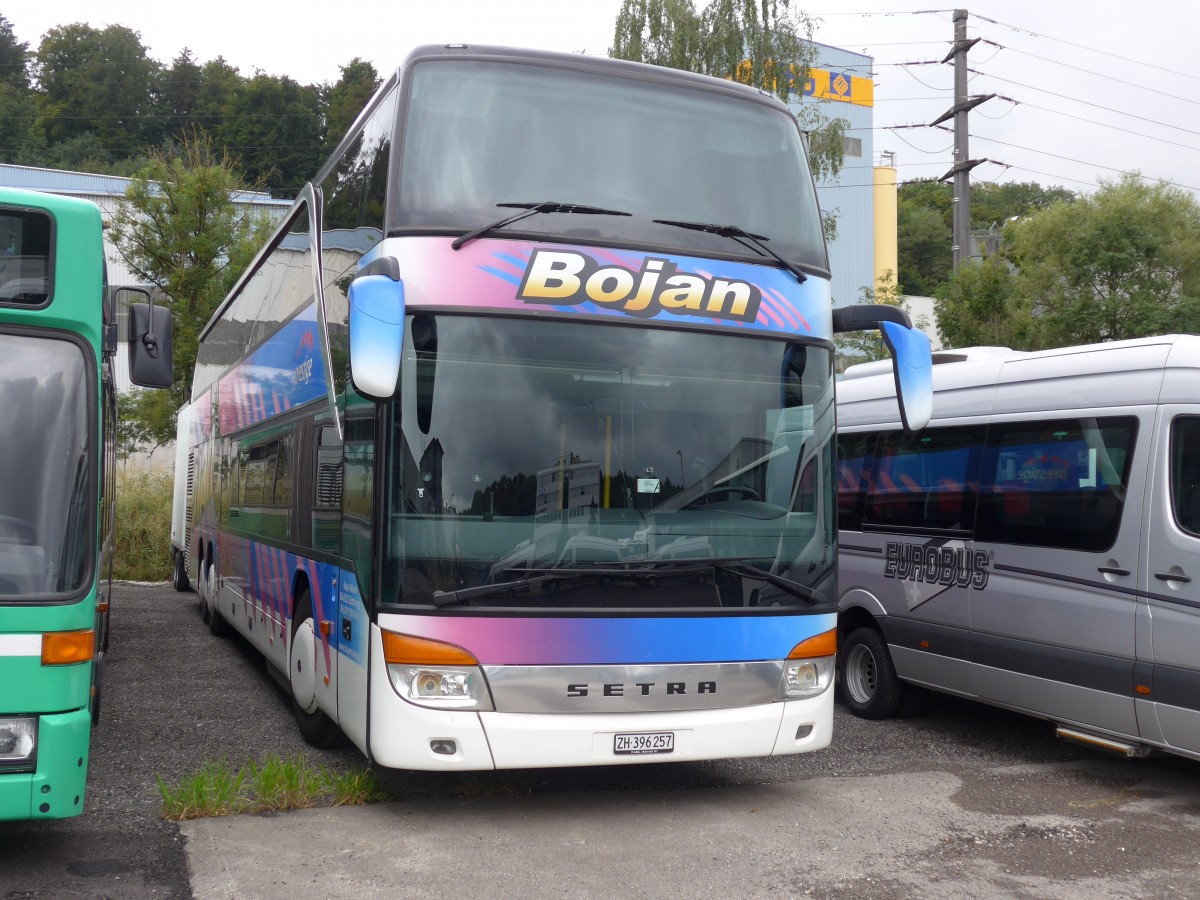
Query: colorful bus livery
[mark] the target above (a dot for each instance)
(57, 477)
(556, 488)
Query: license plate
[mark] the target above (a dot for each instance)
(650, 742)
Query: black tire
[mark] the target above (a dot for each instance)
(317, 729)
(179, 576)
(867, 681)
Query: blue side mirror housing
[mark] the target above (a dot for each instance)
(911, 355)
(376, 324)
(913, 365)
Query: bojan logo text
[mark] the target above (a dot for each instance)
(565, 278)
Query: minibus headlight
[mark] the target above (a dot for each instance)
(18, 743)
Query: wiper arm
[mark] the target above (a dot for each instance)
(549, 575)
(733, 564)
(795, 588)
(445, 598)
(532, 209)
(755, 241)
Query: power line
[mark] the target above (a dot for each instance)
(1158, 92)
(1084, 47)
(1087, 103)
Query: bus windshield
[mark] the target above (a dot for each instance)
(634, 456)
(47, 536)
(480, 134)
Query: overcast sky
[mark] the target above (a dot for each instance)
(1101, 87)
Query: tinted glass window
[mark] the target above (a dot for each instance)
(1056, 484)
(924, 480)
(278, 289)
(518, 445)
(854, 453)
(1185, 474)
(479, 134)
(25, 263)
(47, 493)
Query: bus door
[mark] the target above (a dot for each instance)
(1058, 526)
(1172, 583)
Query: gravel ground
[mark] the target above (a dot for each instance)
(1031, 805)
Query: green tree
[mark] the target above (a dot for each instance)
(346, 99)
(924, 241)
(925, 217)
(179, 93)
(180, 231)
(981, 306)
(97, 82)
(273, 124)
(1121, 263)
(763, 43)
(14, 58)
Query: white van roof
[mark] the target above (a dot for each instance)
(980, 380)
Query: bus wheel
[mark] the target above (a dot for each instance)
(316, 727)
(216, 621)
(179, 577)
(867, 681)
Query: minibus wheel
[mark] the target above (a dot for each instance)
(867, 681)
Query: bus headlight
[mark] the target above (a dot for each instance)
(441, 688)
(806, 678)
(435, 674)
(808, 670)
(18, 743)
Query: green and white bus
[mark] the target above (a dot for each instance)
(58, 337)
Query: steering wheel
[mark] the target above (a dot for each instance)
(26, 533)
(722, 492)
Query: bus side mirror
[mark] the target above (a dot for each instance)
(914, 373)
(911, 355)
(376, 299)
(150, 348)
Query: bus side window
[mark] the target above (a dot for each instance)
(854, 456)
(1058, 484)
(1185, 473)
(926, 480)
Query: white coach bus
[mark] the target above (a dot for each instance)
(1037, 547)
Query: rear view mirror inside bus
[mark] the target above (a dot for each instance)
(376, 329)
(150, 349)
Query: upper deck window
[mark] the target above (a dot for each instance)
(478, 134)
(25, 262)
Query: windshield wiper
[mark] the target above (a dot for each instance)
(532, 209)
(743, 237)
(735, 565)
(550, 576)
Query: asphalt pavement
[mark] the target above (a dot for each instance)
(963, 801)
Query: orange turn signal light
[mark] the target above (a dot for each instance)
(407, 650)
(60, 648)
(823, 644)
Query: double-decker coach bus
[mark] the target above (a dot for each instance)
(58, 337)
(514, 446)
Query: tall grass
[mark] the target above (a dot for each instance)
(273, 785)
(143, 538)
